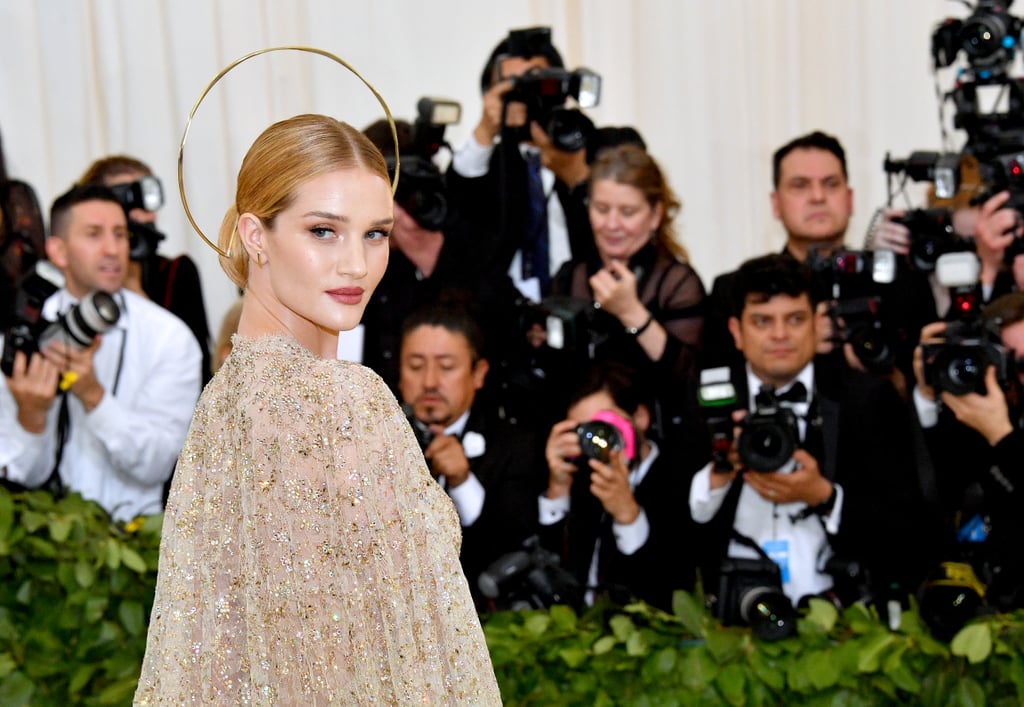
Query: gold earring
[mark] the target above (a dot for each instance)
(259, 258)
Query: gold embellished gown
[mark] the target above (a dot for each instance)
(308, 558)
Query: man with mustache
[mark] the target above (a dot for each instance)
(489, 465)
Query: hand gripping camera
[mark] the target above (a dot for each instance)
(546, 92)
(94, 314)
(971, 345)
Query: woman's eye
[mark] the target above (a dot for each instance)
(322, 232)
(377, 235)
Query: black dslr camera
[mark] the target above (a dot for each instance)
(94, 314)
(770, 434)
(546, 92)
(971, 344)
(750, 594)
(858, 317)
(529, 578)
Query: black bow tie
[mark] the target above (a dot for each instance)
(797, 393)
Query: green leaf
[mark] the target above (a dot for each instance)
(7, 516)
(7, 665)
(16, 690)
(636, 645)
(622, 626)
(973, 642)
(690, 613)
(666, 659)
(725, 644)
(85, 574)
(32, 520)
(132, 560)
(563, 618)
(872, 651)
(81, 677)
(697, 668)
(113, 556)
(732, 681)
(768, 670)
(822, 669)
(132, 617)
(603, 645)
(573, 656)
(823, 613)
(24, 593)
(968, 693)
(60, 529)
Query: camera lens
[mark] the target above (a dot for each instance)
(871, 347)
(95, 314)
(769, 612)
(964, 373)
(983, 38)
(598, 439)
(765, 445)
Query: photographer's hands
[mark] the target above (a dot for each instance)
(987, 414)
(447, 457)
(994, 230)
(930, 334)
(77, 364)
(33, 384)
(805, 483)
(610, 485)
(560, 451)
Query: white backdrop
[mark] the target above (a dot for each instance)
(713, 85)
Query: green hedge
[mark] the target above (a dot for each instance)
(76, 589)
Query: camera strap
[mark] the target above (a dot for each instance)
(54, 484)
(748, 542)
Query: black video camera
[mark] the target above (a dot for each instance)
(94, 314)
(971, 344)
(858, 317)
(546, 92)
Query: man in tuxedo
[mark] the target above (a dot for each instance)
(487, 464)
(496, 178)
(618, 524)
(849, 492)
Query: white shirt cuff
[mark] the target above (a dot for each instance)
(472, 159)
(469, 499)
(705, 501)
(552, 510)
(927, 410)
(630, 538)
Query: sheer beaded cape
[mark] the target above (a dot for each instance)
(307, 555)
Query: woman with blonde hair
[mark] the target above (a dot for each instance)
(308, 557)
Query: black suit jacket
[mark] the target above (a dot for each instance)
(666, 562)
(868, 450)
(509, 471)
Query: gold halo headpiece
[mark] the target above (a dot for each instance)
(219, 76)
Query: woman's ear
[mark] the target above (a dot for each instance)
(252, 235)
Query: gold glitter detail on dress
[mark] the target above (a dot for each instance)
(308, 558)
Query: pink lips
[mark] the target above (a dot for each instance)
(346, 295)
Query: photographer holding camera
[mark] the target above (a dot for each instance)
(969, 378)
(434, 250)
(173, 283)
(488, 465)
(821, 469)
(496, 177)
(125, 370)
(612, 505)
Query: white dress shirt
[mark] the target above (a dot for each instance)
(765, 521)
(122, 452)
(473, 160)
(468, 496)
